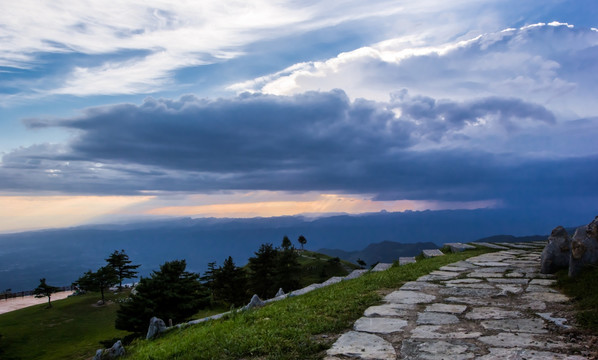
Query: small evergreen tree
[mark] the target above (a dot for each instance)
(100, 280)
(171, 293)
(262, 276)
(121, 263)
(230, 284)
(361, 263)
(208, 279)
(287, 267)
(43, 290)
(302, 240)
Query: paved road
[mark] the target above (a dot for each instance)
(493, 306)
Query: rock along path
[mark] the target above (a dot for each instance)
(492, 306)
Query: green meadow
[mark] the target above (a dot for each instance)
(71, 329)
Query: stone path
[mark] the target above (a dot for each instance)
(493, 306)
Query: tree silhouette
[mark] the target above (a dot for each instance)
(262, 271)
(43, 290)
(171, 293)
(230, 284)
(100, 280)
(302, 240)
(287, 267)
(121, 263)
(361, 263)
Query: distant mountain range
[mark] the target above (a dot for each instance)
(386, 251)
(62, 255)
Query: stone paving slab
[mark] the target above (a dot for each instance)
(493, 306)
(362, 346)
(428, 253)
(406, 260)
(458, 247)
(382, 267)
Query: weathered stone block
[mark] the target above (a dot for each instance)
(556, 253)
(584, 248)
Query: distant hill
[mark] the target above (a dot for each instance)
(511, 238)
(62, 255)
(386, 251)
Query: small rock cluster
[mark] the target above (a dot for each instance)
(575, 253)
(115, 351)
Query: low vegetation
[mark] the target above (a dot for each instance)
(584, 290)
(297, 327)
(72, 328)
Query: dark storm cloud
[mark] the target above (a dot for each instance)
(314, 141)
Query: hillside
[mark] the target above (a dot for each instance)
(78, 326)
(386, 251)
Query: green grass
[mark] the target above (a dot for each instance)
(318, 267)
(584, 290)
(71, 329)
(289, 329)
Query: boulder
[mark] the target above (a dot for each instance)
(156, 326)
(556, 253)
(115, 351)
(98, 355)
(279, 293)
(254, 303)
(584, 248)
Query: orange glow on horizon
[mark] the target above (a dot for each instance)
(325, 203)
(23, 213)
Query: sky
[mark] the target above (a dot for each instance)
(118, 110)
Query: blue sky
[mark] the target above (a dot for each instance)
(116, 110)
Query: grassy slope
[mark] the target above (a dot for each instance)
(71, 329)
(315, 265)
(289, 329)
(584, 290)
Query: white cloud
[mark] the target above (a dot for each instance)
(191, 33)
(549, 64)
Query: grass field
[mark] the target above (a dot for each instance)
(584, 290)
(71, 329)
(294, 328)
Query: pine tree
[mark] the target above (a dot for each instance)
(262, 276)
(100, 280)
(171, 293)
(208, 279)
(230, 284)
(287, 267)
(121, 263)
(43, 290)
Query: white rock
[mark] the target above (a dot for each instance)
(365, 346)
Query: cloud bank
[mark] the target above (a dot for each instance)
(402, 149)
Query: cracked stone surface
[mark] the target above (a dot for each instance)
(409, 297)
(382, 325)
(386, 310)
(362, 346)
(446, 308)
(432, 318)
(493, 306)
(535, 326)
